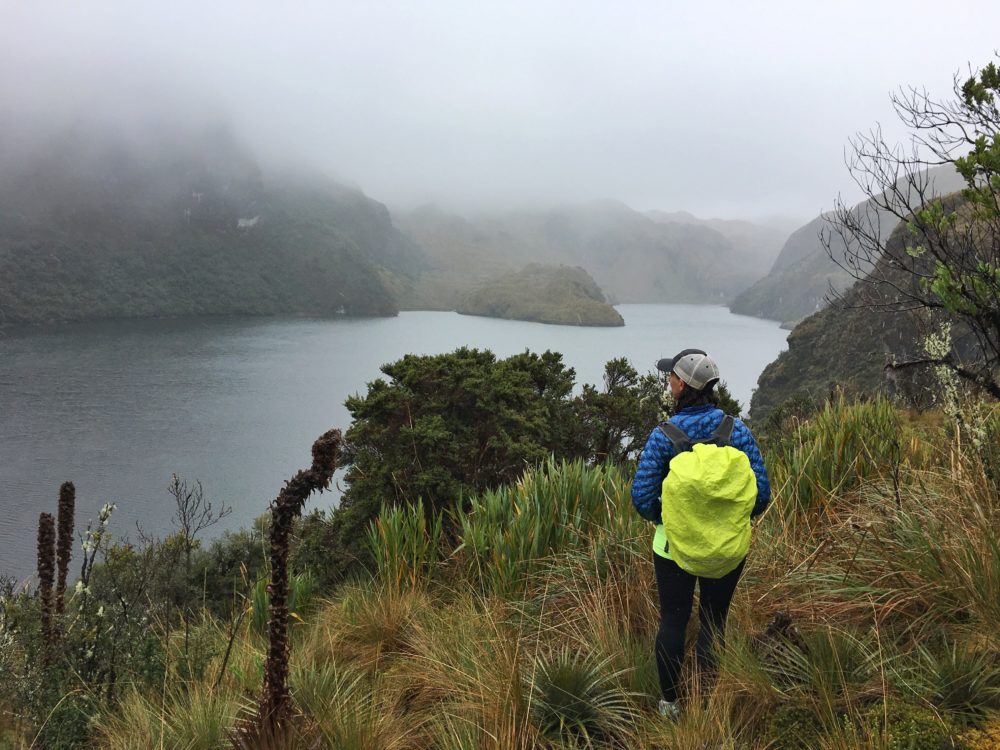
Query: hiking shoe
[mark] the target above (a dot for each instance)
(670, 710)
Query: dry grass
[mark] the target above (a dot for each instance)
(553, 648)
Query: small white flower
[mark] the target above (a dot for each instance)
(100, 611)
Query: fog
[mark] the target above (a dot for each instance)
(733, 110)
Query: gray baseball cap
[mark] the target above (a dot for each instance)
(693, 366)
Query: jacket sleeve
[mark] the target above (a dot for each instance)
(654, 462)
(744, 440)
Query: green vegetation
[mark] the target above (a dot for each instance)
(631, 256)
(444, 428)
(543, 294)
(525, 617)
(101, 231)
(927, 297)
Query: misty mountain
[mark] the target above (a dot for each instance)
(847, 344)
(631, 256)
(104, 226)
(800, 280)
(758, 243)
(543, 294)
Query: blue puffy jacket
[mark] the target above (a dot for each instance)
(699, 422)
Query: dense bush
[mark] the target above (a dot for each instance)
(445, 428)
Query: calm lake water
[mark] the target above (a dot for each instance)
(236, 403)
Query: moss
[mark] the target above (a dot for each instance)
(907, 726)
(794, 728)
(985, 737)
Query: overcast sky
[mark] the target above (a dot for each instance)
(726, 109)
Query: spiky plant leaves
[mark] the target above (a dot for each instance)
(576, 697)
(301, 597)
(406, 545)
(962, 681)
(831, 667)
(350, 709)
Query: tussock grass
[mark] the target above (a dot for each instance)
(194, 718)
(531, 624)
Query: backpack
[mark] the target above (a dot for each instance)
(707, 498)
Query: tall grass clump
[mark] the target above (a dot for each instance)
(405, 545)
(560, 506)
(578, 698)
(836, 450)
(349, 709)
(188, 716)
(913, 552)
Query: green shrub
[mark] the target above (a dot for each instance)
(907, 726)
(794, 728)
(509, 532)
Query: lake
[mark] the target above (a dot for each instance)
(118, 407)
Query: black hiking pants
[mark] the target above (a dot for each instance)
(676, 590)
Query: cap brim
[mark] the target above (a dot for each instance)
(667, 363)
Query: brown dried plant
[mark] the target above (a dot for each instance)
(46, 573)
(64, 541)
(273, 712)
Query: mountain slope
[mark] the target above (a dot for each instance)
(756, 244)
(630, 256)
(847, 345)
(97, 226)
(803, 274)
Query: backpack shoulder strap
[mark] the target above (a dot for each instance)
(677, 436)
(724, 432)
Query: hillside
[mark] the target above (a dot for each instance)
(543, 294)
(846, 345)
(629, 255)
(96, 227)
(803, 274)
(531, 622)
(758, 244)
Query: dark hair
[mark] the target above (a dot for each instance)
(691, 397)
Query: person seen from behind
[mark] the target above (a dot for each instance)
(700, 479)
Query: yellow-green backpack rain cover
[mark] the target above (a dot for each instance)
(708, 495)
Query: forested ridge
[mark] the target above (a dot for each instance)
(104, 229)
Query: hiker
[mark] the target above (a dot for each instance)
(702, 532)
